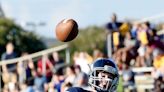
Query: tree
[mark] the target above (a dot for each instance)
(23, 40)
(89, 39)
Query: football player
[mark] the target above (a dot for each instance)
(103, 77)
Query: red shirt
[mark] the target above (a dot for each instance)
(48, 65)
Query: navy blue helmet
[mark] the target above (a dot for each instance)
(104, 75)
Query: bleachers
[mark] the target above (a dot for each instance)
(143, 79)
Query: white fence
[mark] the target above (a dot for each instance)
(38, 54)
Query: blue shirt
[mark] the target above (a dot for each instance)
(39, 83)
(58, 86)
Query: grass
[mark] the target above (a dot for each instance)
(120, 85)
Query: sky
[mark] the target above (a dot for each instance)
(85, 12)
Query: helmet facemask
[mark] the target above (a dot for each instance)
(103, 78)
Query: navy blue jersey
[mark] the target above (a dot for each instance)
(77, 89)
(113, 26)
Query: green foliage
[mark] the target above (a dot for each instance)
(89, 39)
(24, 41)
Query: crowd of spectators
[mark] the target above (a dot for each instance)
(138, 45)
(133, 45)
(30, 76)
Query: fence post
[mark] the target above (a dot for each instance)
(44, 65)
(67, 55)
(109, 45)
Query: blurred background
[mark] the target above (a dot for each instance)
(130, 32)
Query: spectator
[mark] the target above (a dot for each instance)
(160, 33)
(127, 53)
(30, 70)
(149, 56)
(27, 67)
(128, 77)
(65, 87)
(159, 64)
(159, 84)
(58, 79)
(84, 55)
(57, 60)
(29, 86)
(9, 69)
(81, 77)
(70, 74)
(140, 61)
(13, 85)
(50, 87)
(21, 69)
(75, 57)
(113, 28)
(21, 72)
(83, 61)
(134, 29)
(114, 24)
(5, 89)
(39, 81)
(97, 54)
(9, 54)
(48, 67)
(142, 34)
(23, 87)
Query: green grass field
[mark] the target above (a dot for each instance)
(120, 85)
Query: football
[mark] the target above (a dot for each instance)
(66, 30)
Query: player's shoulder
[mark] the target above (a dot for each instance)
(76, 89)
